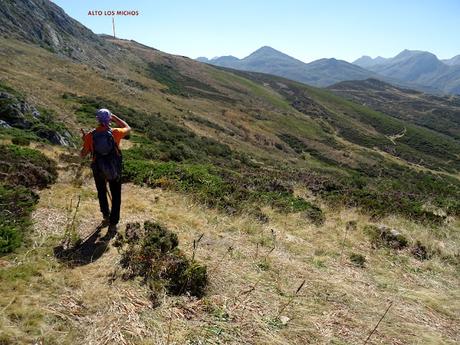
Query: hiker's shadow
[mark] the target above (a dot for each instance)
(87, 251)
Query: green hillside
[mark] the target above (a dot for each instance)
(439, 113)
(243, 124)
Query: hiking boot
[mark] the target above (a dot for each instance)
(112, 231)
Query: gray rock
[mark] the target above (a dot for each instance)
(12, 111)
(4, 124)
(392, 237)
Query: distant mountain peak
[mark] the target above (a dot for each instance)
(363, 59)
(366, 61)
(406, 53)
(228, 57)
(266, 50)
(454, 61)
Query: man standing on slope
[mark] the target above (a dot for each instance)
(103, 143)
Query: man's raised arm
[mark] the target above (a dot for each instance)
(121, 123)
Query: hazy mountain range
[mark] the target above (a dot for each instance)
(419, 68)
(410, 68)
(321, 72)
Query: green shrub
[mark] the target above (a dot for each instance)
(22, 168)
(210, 124)
(11, 132)
(199, 180)
(218, 188)
(285, 201)
(358, 260)
(10, 239)
(21, 141)
(17, 205)
(27, 167)
(373, 232)
(186, 276)
(158, 238)
(295, 143)
(315, 215)
(153, 254)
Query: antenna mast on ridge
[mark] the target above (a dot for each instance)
(113, 26)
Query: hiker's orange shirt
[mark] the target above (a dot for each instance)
(118, 134)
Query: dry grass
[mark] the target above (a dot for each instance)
(48, 302)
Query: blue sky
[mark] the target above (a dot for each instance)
(307, 30)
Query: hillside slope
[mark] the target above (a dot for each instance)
(52, 29)
(441, 114)
(250, 283)
(275, 186)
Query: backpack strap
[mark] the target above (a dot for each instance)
(93, 154)
(115, 143)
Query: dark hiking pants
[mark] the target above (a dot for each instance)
(115, 190)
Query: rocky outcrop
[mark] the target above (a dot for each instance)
(46, 24)
(383, 236)
(15, 112)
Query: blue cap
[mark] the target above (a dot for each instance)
(103, 116)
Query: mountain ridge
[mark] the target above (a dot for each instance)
(268, 60)
(410, 68)
(417, 68)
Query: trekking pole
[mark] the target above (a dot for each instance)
(378, 323)
(291, 299)
(195, 246)
(343, 244)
